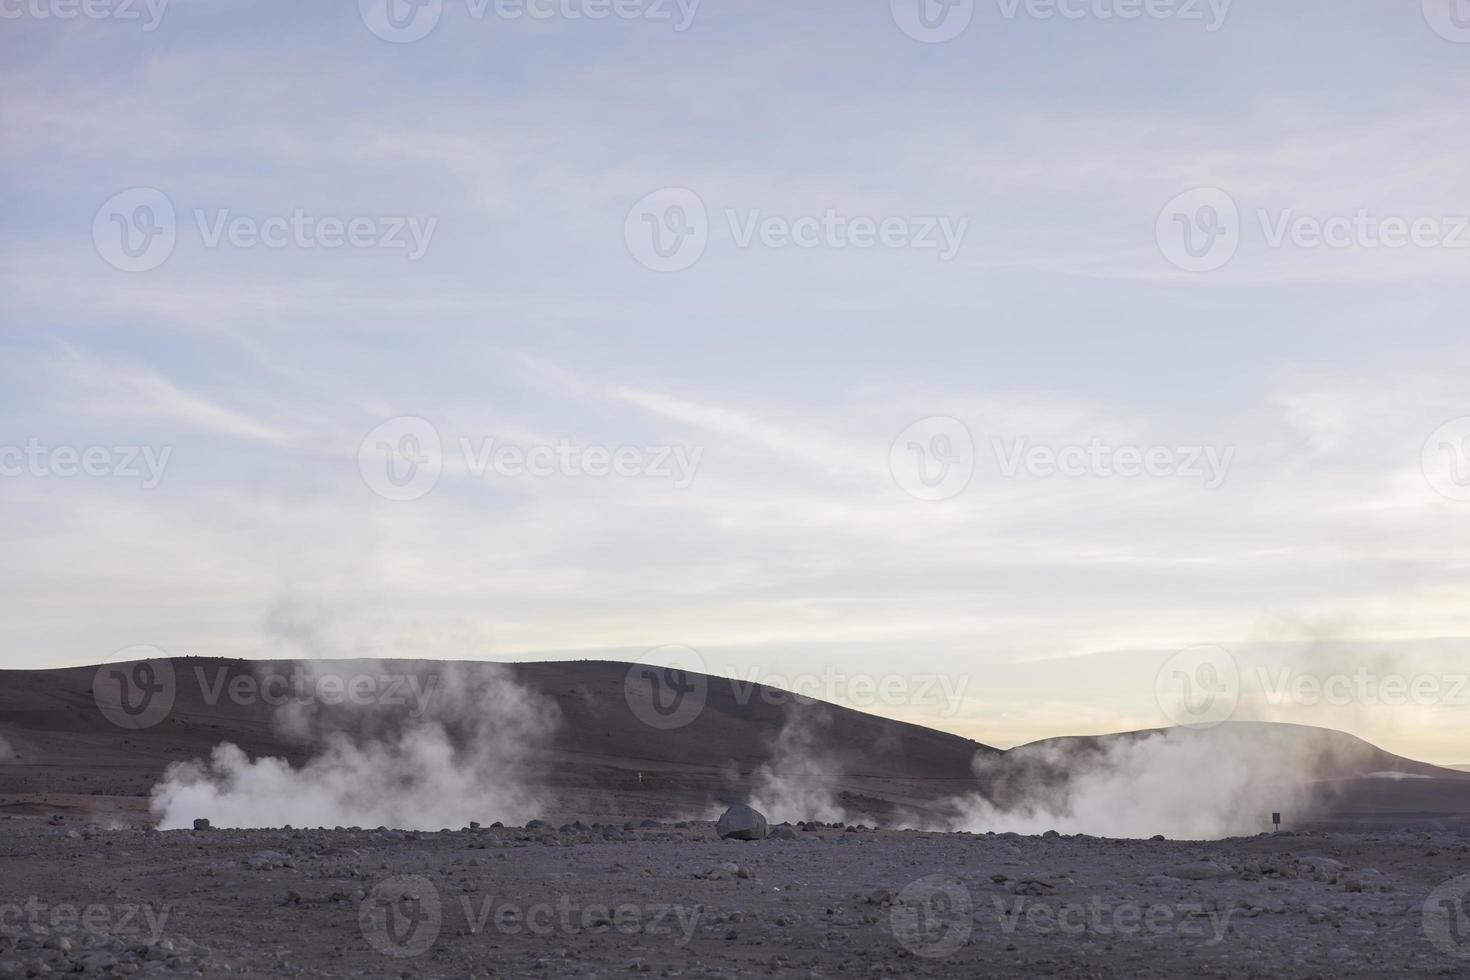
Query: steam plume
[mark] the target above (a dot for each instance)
(462, 758)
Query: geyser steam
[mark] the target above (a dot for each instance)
(458, 759)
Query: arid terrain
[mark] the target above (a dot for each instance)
(537, 820)
(667, 901)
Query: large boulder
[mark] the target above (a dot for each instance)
(742, 822)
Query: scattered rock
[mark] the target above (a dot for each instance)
(1033, 887)
(1201, 871)
(742, 822)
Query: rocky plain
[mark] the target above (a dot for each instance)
(592, 899)
(549, 826)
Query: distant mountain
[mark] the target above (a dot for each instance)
(603, 755)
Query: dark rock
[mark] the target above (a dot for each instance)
(742, 822)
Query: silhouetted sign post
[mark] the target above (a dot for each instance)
(1276, 819)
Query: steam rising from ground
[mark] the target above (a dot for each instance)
(1186, 784)
(7, 753)
(1182, 783)
(459, 758)
(796, 783)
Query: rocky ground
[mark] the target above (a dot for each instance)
(668, 899)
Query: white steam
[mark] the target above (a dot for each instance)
(1186, 784)
(7, 752)
(1182, 783)
(462, 757)
(798, 781)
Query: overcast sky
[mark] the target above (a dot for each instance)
(843, 282)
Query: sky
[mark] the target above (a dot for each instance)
(1015, 349)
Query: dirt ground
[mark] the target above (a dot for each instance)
(587, 900)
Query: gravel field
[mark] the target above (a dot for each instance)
(587, 900)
